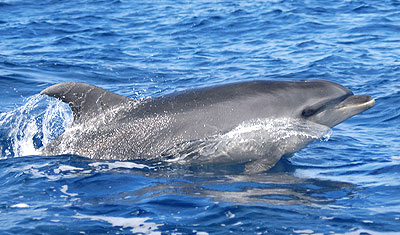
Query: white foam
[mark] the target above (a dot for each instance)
(64, 189)
(200, 233)
(25, 145)
(365, 231)
(69, 168)
(120, 164)
(39, 119)
(368, 221)
(20, 205)
(230, 215)
(305, 231)
(138, 225)
(66, 168)
(36, 171)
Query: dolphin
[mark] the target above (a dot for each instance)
(113, 127)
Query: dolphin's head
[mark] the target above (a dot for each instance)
(330, 104)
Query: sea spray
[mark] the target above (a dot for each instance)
(24, 130)
(251, 141)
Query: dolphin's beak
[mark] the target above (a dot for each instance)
(356, 103)
(347, 108)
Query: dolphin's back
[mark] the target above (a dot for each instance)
(236, 94)
(87, 101)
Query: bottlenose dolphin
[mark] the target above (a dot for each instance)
(110, 126)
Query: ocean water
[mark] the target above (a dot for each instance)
(348, 183)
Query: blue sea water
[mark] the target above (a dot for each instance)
(349, 184)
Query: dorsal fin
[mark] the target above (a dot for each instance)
(85, 100)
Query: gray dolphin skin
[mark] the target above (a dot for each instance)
(113, 127)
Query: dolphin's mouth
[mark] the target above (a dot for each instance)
(331, 115)
(356, 102)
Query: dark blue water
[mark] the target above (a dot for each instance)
(348, 184)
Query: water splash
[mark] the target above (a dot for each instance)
(24, 130)
(252, 140)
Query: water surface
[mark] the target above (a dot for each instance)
(348, 184)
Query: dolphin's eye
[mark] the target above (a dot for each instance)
(307, 112)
